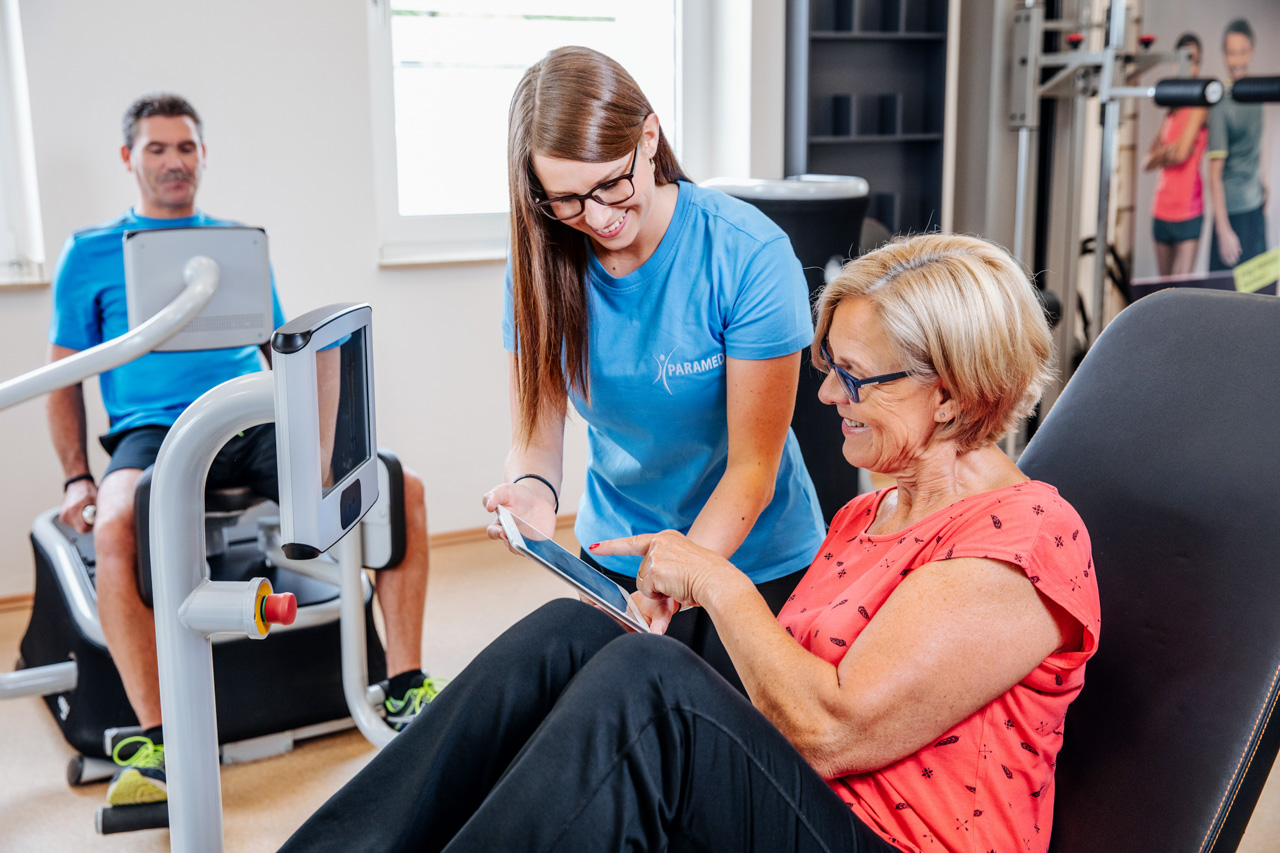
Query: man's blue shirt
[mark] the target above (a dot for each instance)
(724, 282)
(89, 308)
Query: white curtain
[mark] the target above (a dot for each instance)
(21, 241)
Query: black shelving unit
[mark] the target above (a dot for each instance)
(866, 84)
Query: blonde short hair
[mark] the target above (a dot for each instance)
(958, 309)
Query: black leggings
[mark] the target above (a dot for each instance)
(694, 627)
(567, 734)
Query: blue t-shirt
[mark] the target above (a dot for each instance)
(723, 282)
(89, 307)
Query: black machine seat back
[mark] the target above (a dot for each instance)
(1164, 443)
(222, 509)
(233, 501)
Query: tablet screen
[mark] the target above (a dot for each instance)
(571, 566)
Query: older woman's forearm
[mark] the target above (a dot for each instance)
(839, 729)
(797, 691)
(840, 723)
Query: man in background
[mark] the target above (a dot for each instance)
(164, 150)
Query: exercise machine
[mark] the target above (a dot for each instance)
(321, 396)
(329, 481)
(1075, 72)
(1057, 66)
(64, 655)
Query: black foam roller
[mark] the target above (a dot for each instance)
(113, 819)
(75, 770)
(1256, 90)
(1188, 92)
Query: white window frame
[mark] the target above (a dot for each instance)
(463, 238)
(415, 240)
(19, 194)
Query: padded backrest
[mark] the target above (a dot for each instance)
(1165, 441)
(385, 537)
(227, 503)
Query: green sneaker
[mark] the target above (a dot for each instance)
(140, 778)
(401, 711)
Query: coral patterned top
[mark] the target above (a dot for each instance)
(987, 784)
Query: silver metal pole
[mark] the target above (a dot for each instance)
(1110, 125)
(1014, 438)
(1020, 197)
(178, 567)
(201, 275)
(1071, 256)
(795, 150)
(39, 680)
(349, 551)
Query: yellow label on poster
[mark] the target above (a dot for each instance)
(1256, 273)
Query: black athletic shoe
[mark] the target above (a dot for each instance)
(402, 710)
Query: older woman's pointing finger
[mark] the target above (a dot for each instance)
(675, 572)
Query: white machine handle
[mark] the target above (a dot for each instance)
(201, 275)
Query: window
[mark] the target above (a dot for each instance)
(443, 75)
(21, 240)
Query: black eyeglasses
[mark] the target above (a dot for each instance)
(851, 383)
(611, 192)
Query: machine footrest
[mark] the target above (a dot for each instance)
(113, 819)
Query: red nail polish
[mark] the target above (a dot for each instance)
(593, 547)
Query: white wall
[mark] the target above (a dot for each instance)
(768, 87)
(732, 116)
(283, 91)
(985, 148)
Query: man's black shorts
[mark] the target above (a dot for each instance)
(248, 459)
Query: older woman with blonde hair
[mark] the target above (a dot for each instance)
(909, 696)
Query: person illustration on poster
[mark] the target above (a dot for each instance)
(1177, 209)
(1236, 189)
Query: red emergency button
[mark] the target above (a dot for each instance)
(280, 609)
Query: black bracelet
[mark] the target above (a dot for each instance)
(545, 482)
(77, 478)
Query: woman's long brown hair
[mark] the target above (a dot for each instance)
(574, 104)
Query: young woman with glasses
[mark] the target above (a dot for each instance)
(672, 318)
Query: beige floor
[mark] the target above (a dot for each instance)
(263, 801)
(266, 800)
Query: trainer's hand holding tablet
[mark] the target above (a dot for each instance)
(530, 500)
(591, 584)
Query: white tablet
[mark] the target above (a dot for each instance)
(591, 583)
